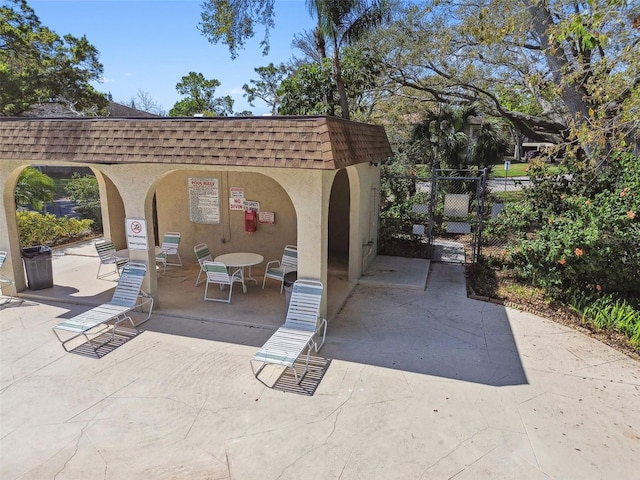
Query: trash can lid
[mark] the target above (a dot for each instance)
(30, 252)
(290, 278)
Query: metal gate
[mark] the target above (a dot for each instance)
(445, 217)
(456, 212)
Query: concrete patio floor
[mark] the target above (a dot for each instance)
(412, 383)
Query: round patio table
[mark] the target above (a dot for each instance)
(241, 259)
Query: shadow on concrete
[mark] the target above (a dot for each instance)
(389, 319)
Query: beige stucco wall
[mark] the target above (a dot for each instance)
(299, 198)
(172, 198)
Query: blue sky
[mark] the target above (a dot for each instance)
(150, 45)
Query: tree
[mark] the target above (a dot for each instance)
(201, 98)
(308, 91)
(84, 190)
(34, 188)
(311, 88)
(145, 102)
(576, 61)
(343, 21)
(234, 21)
(37, 65)
(266, 88)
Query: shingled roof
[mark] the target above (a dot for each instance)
(290, 142)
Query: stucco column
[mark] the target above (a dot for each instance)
(9, 238)
(310, 191)
(136, 184)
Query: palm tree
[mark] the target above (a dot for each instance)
(445, 135)
(344, 22)
(34, 188)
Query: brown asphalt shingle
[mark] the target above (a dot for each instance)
(291, 142)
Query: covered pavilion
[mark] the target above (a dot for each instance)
(314, 181)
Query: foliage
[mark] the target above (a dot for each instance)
(606, 313)
(446, 139)
(232, 22)
(309, 91)
(311, 88)
(266, 88)
(344, 23)
(564, 72)
(34, 188)
(38, 229)
(579, 230)
(37, 65)
(201, 98)
(84, 190)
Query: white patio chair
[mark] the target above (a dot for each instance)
(6, 281)
(277, 269)
(127, 296)
(217, 273)
(297, 333)
(202, 255)
(169, 249)
(107, 254)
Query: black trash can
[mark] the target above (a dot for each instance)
(289, 280)
(37, 264)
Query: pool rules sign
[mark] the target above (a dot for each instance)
(204, 200)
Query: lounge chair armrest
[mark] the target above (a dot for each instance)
(323, 323)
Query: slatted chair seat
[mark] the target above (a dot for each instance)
(107, 253)
(169, 254)
(6, 281)
(277, 269)
(298, 332)
(127, 296)
(217, 272)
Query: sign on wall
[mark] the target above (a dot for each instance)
(136, 231)
(204, 200)
(266, 217)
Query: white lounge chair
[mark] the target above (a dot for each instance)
(297, 333)
(127, 296)
(169, 250)
(6, 281)
(277, 269)
(107, 253)
(217, 272)
(202, 255)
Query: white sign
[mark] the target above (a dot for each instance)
(204, 200)
(250, 206)
(136, 230)
(236, 192)
(266, 217)
(507, 165)
(236, 203)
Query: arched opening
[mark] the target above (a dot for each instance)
(339, 224)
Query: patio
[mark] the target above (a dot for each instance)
(412, 383)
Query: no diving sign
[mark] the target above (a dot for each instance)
(136, 230)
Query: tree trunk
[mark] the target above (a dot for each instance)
(337, 70)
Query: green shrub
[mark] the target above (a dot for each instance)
(37, 229)
(608, 313)
(588, 231)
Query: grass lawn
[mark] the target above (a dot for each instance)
(516, 169)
